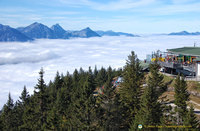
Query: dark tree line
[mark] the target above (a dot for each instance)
(68, 102)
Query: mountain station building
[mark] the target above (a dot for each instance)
(185, 60)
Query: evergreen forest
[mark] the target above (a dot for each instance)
(93, 100)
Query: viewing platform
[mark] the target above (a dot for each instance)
(185, 61)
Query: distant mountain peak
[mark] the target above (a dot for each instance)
(1, 26)
(59, 31)
(38, 30)
(183, 31)
(36, 23)
(10, 34)
(87, 28)
(57, 26)
(84, 33)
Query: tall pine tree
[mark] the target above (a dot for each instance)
(58, 81)
(191, 119)
(1, 121)
(19, 108)
(101, 77)
(7, 114)
(131, 86)
(181, 97)
(150, 112)
(31, 115)
(109, 109)
(24, 96)
(42, 98)
(83, 107)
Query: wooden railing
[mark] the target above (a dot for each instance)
(170, 64)
(186, 69)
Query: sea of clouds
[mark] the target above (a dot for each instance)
(21, 62)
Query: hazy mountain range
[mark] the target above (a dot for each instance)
(41, 31)
(184, 33)
(38, 30)
(112, 33)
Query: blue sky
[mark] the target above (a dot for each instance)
(134, 16)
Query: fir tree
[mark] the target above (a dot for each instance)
(83, 107)
(109, 77)
(109, 105)
(110, 110)
(41, 95)
(52, 91)
(1, 121)
(57, 117)
(53, 119)
(191, 119)
(19, 108)
(24, 96)
(53, 88)
(62, 105)
(17, 113)
(167, 116)
(31, 115)
(95, 71)
(7, 114)
(156, 79)
(181, 97)
(68, 81)
(117, 72)
(150, 112)
(58, 81)
(82, 76)
(101, 77)
(75, 78)
(130, 90)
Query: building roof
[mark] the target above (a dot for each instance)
(191, 51)
(144, 65)
(197, 59)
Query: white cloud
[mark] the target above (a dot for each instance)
(175, 8)
(66, 13)
(122, 4)
(15, 9)
(109, 6)
(33, 57)
(21, 62)
(182, 1)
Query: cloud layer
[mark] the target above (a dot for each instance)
(21, 62)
